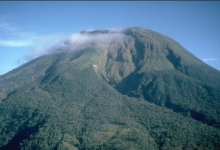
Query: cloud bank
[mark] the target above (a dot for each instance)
(79, 41)
(76, 41)
(42, 44)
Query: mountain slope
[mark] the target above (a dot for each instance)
(158, 69)
(131, 93)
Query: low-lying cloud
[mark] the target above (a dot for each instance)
(76, 41)
(79, 41)
(42, 44)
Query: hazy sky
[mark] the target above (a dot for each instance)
(35, 25)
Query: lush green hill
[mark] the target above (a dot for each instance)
(141, 90)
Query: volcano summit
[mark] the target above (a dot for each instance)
(112, 89)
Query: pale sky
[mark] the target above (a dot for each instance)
(35, 25)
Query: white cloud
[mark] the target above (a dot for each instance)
(14, 37)
(14, 43)
(42, 45)
(55, 42)
(210, 59)
(82, 40)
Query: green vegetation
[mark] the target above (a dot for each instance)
(144, 92)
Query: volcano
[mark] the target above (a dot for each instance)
(110, 89)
